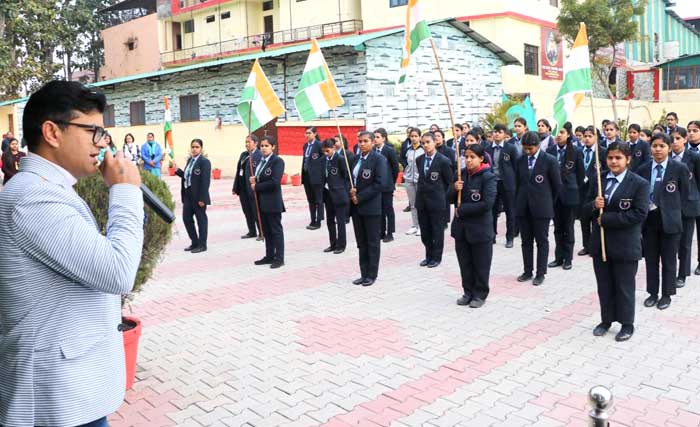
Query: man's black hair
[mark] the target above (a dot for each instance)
(57, 101)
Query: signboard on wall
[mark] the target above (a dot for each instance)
(552, 55)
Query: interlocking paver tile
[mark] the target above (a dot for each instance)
(229, 343)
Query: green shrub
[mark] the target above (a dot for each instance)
(157, 233)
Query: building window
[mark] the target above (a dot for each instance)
(189, 108)
(189, 26)
(211, 18)
(226, 15)
(554, 3)
(395, 3)
(137, 113)
(108, 116)
(268, 5)
(682, 78)
(531, 60)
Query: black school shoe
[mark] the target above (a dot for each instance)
(625, 333)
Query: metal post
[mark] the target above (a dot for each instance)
(600, 399)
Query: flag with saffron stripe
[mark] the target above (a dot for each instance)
(168, 130)
(577, 79)
(259, 104)
(416, 31)
(317, 91)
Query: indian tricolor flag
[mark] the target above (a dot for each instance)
(168, 130)
(577, 79)
(259, 103)
(317, 90)
(416, 31)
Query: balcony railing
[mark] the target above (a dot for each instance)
(224, 47)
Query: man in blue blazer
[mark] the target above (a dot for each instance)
(53, 373)
(369, 174)
(538, 185)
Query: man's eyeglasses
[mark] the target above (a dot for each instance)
(98, 132)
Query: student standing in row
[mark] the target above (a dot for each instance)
(624, 202)
(544, 130)
(691, 205)
(504, 157)
(693, 130)
(266, 183)
(402, 155)
(312, 177)
(639, 148)
(410, 177)
(472, 228)
(520, 127)
(572, 175)
(369, 172)
(194, 190)
(591, 149)
(537, 185)
(612, 134)
(434, 178)
(336, 190)
(388, 223)
(241, 184)
(668, 183)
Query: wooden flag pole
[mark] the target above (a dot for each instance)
(600, 183)
(252, 173)
(452, 120)
(342, 145)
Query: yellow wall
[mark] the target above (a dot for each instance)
(309, 13)
(688, 95)
(5, 122)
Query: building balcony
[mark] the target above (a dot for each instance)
(231, 46)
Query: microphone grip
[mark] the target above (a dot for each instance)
(153, 202)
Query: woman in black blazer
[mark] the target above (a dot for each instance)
(194, 191)
(472, 227)
(625, 203)
(573, 174)
(668, 184)
(266, 182)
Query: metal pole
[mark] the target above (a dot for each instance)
(601, 400)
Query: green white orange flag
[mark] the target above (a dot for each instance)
(168, 130)
(317, 91)
(416, 31)
(577, 79)
(259, 104)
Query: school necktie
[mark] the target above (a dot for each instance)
(694, 148)
(531, 163)
(656, 181)
(307, 153)
(612, 184)
(426, 168)
(588, 157)
(260, 168)
(356, 171)
(328, 165)
(562, 152)
(188, 173)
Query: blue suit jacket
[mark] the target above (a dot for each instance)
(61, 354)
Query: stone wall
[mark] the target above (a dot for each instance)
(472, 73)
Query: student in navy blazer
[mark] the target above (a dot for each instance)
(472, 228)
(691, 206)
(573, 175)
(612, 134)
(241, 185)
(538, 185)
(590, 148)
(434, 178)
(194, 190)
(266, 183)
(693, 130)
(625, 203)
(451, 154)
(312, 177)
(641, 153)
(386, 149)
(668, 183)
(505, 158)
(336, 190)
(369, 172)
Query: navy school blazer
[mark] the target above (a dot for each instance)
(691, 207)
(371, 178)
(315, 166)
(641, 153)
(674, 192)
(336, 180)
(507, 163)
(537, 191)
(199, 181)
(473, 220)
(431, 190)
(573, 174)
(622, 218)
(268, 186)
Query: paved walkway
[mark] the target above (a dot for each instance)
(227, 343)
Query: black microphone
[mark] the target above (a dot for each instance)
(157, 205)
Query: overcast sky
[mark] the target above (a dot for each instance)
(687, 8)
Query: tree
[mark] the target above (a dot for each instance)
(608, 23)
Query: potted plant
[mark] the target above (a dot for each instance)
(216, 173)
(156, 235)
(171, 168)
(284, 179)
(296, 180)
